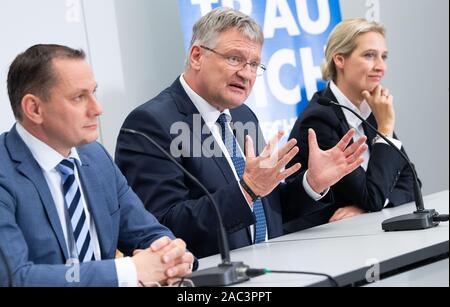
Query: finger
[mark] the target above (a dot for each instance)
(339, 215)
(178, 250)
(352, 166)
(176, 245)
(334, 217)
(179, 270)
(249, 149)
(160, 243)
(391, 99)
(289, 172)
(386, 92)
(343, 143)
(336, 214)
(137, 251)
(180, 243)
(312, 141)
(276, 160)
(355, 146)
(287, 158)
(173, 254)
(358, 154)
(349, 215)
(272, 144)
(366, 95)
(287, 148)
(377, 91)
(188, 258)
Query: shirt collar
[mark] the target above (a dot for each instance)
(209, 114)
(352, 120)
(46, 157)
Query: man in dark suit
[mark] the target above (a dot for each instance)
(65, 208)
(202, 121)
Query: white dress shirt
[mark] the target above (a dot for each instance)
(354, 122)
(210, 115)
(48, 159)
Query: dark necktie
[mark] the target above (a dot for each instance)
(239, 164)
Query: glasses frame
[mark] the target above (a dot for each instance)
(260, 68)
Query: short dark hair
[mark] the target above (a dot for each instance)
(32, 73)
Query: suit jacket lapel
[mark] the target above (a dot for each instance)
(29, 168)
(97, 200)
(339, 112)
(344, 124)
(186, 107)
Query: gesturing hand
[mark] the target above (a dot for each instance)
(264, 173)
(326, 168)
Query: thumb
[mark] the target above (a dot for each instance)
(249, 149)
(366, 95)
(312, 141)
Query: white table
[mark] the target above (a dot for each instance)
(432, 275)
(345, 250)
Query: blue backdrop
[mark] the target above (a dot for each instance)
(295, 34)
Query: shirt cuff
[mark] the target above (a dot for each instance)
(311, 193)
(126, 272)
(397, 143)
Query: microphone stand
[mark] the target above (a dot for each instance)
(227, 272)
(421, 218)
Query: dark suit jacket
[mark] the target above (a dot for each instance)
(173, 198)
(387, 176)
(31, 236)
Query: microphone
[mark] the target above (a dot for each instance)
(420, 219)
(227, 272)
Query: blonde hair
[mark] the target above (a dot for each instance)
(342, 40)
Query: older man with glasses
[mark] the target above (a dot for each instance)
(223, 146)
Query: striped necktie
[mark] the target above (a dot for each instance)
(77, 215)
(239, 164)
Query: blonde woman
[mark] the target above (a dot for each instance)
(355, 64)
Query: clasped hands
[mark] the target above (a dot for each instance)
(164, 262)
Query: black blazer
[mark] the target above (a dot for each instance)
(174, 199)
(387, 175)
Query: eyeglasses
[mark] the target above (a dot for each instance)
(239, 62)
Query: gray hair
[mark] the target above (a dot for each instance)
(209, 27)
(343, 41)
